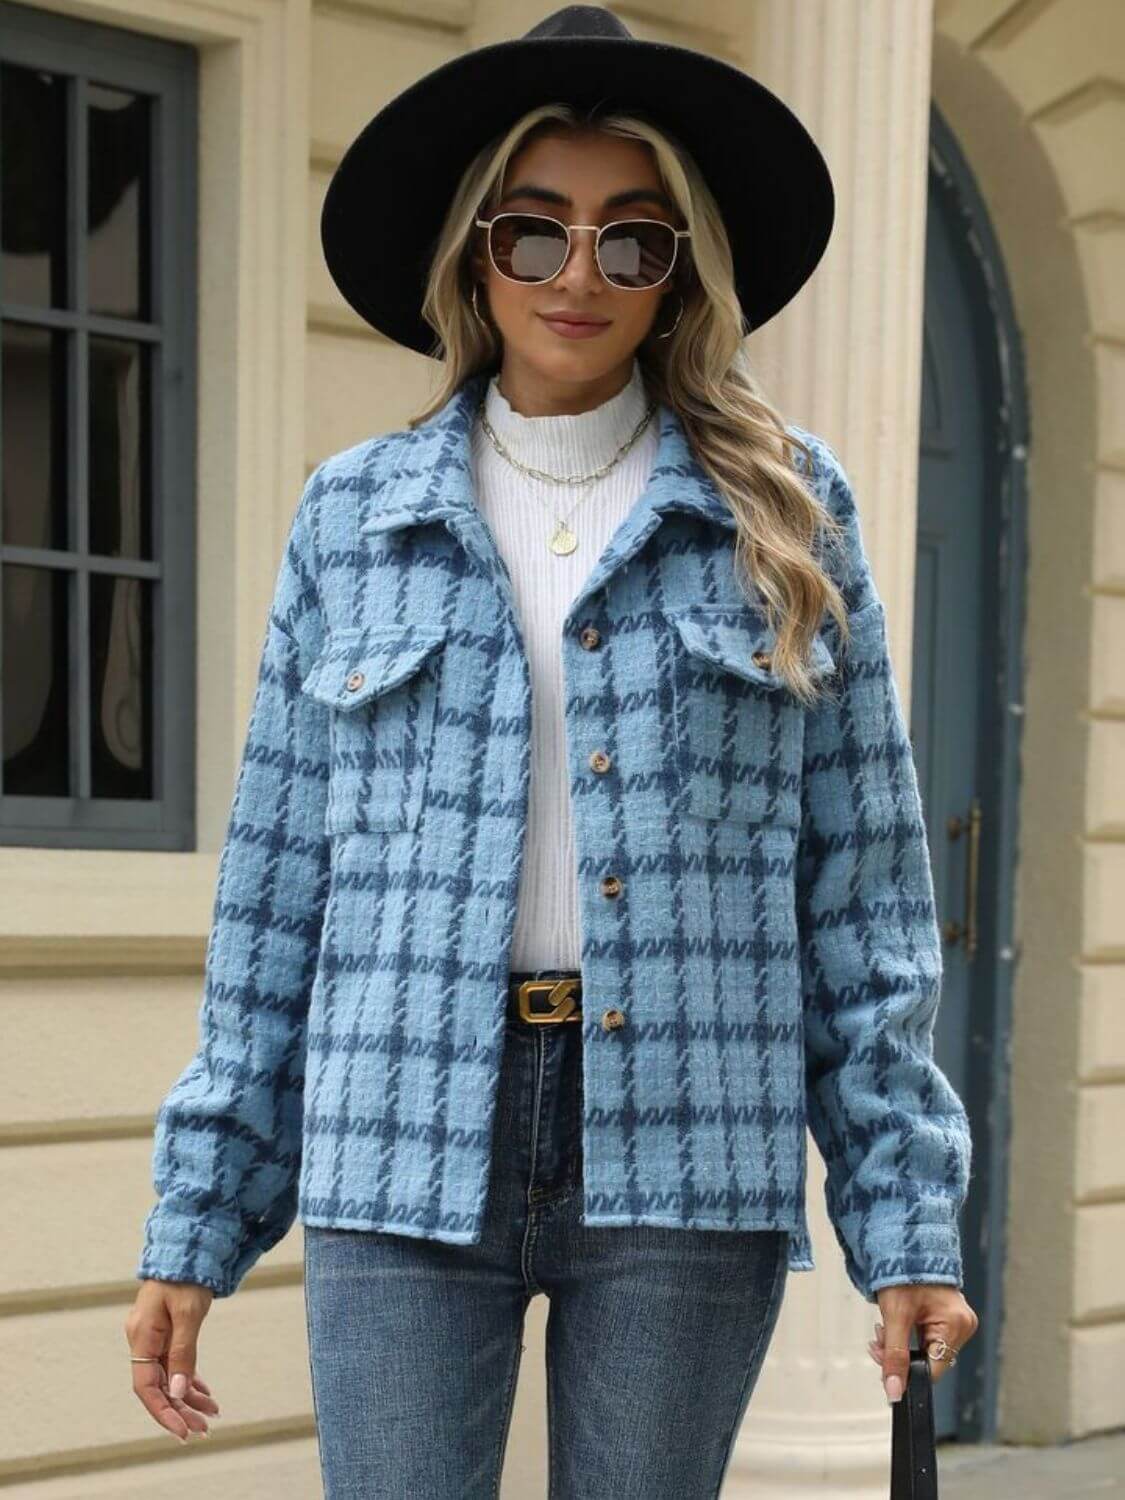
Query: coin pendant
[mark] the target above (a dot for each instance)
(564, 540)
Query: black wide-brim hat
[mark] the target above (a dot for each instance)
(389, 195)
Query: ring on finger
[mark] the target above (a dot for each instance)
(940, 1350)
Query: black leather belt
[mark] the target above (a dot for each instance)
(545, 997)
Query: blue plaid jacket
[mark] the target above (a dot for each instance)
(774, 947)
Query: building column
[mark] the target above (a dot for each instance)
(844, 359)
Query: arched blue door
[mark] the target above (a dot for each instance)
(966, 704)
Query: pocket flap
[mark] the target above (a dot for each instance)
(357, 666)
(741, 643)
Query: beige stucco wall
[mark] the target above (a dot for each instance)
(100, 954)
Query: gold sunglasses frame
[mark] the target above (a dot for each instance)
(599, 230)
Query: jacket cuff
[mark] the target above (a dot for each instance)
(908, 1253)
(208, 1250)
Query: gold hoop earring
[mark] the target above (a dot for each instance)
(675, 325)
(476, 310)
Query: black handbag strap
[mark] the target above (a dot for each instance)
(913, 1446)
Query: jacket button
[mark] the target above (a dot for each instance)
(612, 1019)
(355, 680)
(762, 659)
(590, 637)
(611, 885)
(599, 760)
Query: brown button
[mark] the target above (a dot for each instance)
(612, 1019)
(590, 637)
(599, 760)
(611, 885)
(355, 680)
(763, 659)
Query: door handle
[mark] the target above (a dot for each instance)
(954, 932)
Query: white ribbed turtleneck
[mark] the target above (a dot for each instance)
(522, 514)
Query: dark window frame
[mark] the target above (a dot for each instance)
(167, 72)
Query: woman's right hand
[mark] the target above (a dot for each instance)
(164, 1321)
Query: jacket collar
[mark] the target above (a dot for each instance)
(431, 476)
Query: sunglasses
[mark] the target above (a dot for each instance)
(633, 254)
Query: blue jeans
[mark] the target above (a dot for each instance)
(654, 1337)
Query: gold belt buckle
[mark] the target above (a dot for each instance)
(560, 993)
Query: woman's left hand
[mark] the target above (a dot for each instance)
(938, 1311)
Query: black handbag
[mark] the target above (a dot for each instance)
(913, 1446)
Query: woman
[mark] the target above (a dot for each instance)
(501, 1002)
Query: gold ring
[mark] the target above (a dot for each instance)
(940, 1350)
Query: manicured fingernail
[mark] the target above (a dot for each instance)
(894, 1388)
(179, 1385)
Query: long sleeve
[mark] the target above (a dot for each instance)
(227, 1144)
(892, 1130)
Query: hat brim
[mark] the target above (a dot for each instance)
(389, 195)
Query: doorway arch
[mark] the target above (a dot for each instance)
(967, 707)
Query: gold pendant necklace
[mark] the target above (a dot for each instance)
(562, 541)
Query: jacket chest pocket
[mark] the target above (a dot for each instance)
(380, 689)
(738, 737)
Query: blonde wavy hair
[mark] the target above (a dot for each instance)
(702, 371)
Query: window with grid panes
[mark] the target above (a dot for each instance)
(97, 440)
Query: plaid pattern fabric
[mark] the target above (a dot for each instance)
(773, 947)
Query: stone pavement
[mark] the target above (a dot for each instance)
(1090, 1468)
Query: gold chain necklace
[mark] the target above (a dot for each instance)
(563, 540)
